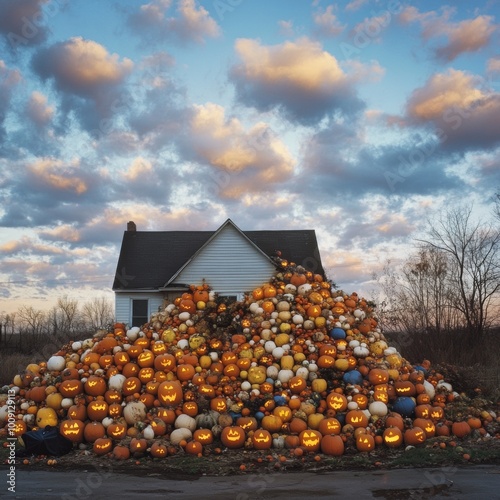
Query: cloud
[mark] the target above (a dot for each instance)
(38, 111)
(241, 160)
(22, 22)
(192, 23)
(9, 79)
(298, 78)
(355, 5)
(50, 189)
(493, 66)
(286, 28)
(87, 76)
(469, 35)
(462, 110)
(327, 24)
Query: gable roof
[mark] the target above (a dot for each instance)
(150, 259)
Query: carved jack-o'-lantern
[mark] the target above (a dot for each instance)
(297, 384)
(185, 372)
(356, 418)
(262, 439)
(206, 390)
(310, 439)
(165, 362)
(102, 446)
(159, 347)
(18, 428)
(427, 425)
(146, 374)
(131, 385)
(166, 414)
(380, 393)
(337, 402)
(158, 450)
(247, 423)
(115, 410)
(113, 396)
(326, 361)
(97, 410)
(392, 437)
(414, 436)
(77, 412)
(72, 430)
(71, 388)
(121, 358)
(170, 393)
(116, 430)
(329, 426)
(218, 404)
(233, 436)
(138, 445)
(204, 436)
(284, 412)
(378, 376)
(146, 359)
(95, 386)
(190, 408)
(365, 442)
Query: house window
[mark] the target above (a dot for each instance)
(140, 314)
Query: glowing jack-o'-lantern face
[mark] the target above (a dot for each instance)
(257, 374)
(70, 388)
(146, 359)
(423, 411)
(310, 439)
(405, 388)
(337, 402)
(18, 428)
(138, 445)
(297, 384)
(113, 396)
(121, 358)
(233, 436)
(414, 436)
(95, 386)
(116, 430)
(328, 350)
(131, 385)
(158, 348)
(329, 426)
(203, 436)
(72, 430)
(262, 439)
(427, 425)
(218, 404)
(247, 423)
(229, 358)
(190, 408)
(380, 393)
(185, 372)
(284, 412)
(170, 393)
(165, 362)
(392, 437)
(326, 361)
(206, 390)
(115, 410)
(378, 376)
(437, 413)
(365, 442)
(97, 410)
(158, 450)
(77, 412)
(146, 374)
(166, 414)
(356, 418)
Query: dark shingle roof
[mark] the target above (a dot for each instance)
(148, 259)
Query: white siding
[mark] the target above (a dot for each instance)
(229, 264)
(123, 304)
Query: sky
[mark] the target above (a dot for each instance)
(363, 120)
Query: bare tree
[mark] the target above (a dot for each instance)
(63, 317)
(417, 296)
(98, 313)
(474, 264)
(32, 320)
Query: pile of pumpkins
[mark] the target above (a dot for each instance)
(296, 364)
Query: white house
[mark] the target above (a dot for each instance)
(158, 265)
